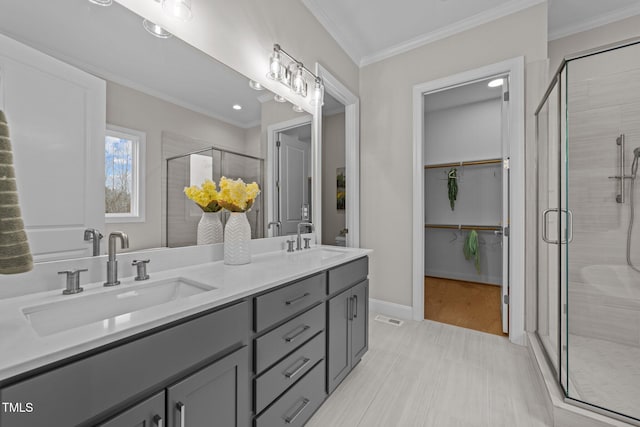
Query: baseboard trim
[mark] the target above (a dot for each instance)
(404, 312)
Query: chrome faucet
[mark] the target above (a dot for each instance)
(112, 263)
(93, 235)
(299, 239)
(278, 224)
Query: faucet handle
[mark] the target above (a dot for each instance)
(306, 242)
(141, 265)
(73, 281)
(290, 245)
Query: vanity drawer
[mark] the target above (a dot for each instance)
(286, 338)
(80, 391)
(284, 302)
(269, 385)
(296, 406)
(348, 274)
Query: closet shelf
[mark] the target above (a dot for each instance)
(466, 227)
(468, 163)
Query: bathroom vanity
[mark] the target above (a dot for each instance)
(261, 344)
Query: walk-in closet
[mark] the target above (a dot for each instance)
(466, 205)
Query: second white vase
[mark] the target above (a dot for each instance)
(237, 239)
(209, 229)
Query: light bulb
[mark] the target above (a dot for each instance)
(317, 96)
(275, 66)
(102, 2)
(279, 98)
(255, 85)
(297, 108)
(297, 81)
(156, 30)
(180, 9)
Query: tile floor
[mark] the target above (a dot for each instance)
(432, 374)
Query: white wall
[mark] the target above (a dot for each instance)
(241, 34)
(133, 109)
(333, 157)
(600, 36)
(386, 141)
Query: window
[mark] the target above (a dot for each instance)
(124, 151)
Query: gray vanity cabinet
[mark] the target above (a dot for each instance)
(216, 395)
(347, 314)
(149, 413)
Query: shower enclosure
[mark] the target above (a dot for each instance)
(182, 215)
(588, 144)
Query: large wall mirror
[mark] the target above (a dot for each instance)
(104, 116)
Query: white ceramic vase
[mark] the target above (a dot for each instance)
(237, 239)
(209, 229)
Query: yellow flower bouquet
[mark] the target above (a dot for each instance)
(206, 197)
(236, 196)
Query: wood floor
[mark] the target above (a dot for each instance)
(466, 304)
(430, 374)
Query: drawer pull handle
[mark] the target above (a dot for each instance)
(305, 362)
(158, 421)
(297, 334)
(298, 411)
(183, 410)
(296, 299)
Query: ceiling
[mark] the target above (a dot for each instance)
(461, 95)
(372, 30)
(111, 43)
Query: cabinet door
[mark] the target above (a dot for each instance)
(339, 339)
(216, 395)
(149, 413)
(360, 321)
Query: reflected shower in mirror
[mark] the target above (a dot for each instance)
(71, 70)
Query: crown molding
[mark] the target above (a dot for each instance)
(616, 15)
(334, 30)
(450, 30)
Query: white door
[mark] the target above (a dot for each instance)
(56, 115)
(294, 182)
(505, 205)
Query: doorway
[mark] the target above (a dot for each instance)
(289, 176)
(468, 199)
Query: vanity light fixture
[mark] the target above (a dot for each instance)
(255, 85)
(293, 76)
(156, 30)
(179, 9)
(279, 98)
(237, 107)
(496, 83)
(102, 2)
(297, 108)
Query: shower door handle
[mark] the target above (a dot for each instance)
(569, 229)
(545, 228)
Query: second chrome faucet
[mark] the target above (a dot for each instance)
(112, 263)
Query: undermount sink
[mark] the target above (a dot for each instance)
(323, 254)
(112, 307)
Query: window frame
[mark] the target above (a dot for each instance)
(138, 160)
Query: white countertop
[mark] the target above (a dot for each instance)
(22, 349)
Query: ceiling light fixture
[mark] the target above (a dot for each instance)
(156, 30)
(237, 107)
(293, 76)
(496, 83)
(255, 85)
(102, 2)
(179, 9)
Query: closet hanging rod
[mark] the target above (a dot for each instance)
(466, 227)
(469, 163)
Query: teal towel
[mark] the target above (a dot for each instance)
(15, 255)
